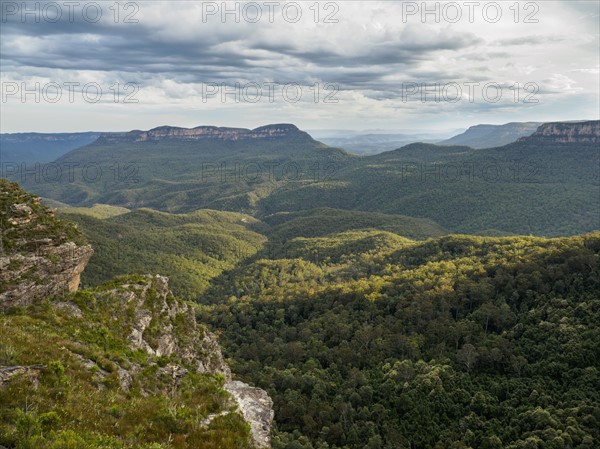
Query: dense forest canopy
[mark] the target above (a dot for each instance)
(453, 342)
(367, 337)
(536, 185)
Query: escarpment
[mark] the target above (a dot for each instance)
(566, 132)
(40, 255)
(277, 131)
(130, 340)
(164, 326)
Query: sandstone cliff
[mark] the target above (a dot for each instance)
(575, 132)
(162, 325)
(39, 254)
(205, 133)
(102, 332)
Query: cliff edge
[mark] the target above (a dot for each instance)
(123, 365)
(566, 132)
(40, 255)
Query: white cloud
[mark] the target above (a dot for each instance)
(369, 53)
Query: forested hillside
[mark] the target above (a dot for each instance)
(367, 338)
(539, 185)
(191, 248)
(454, 342)
(216, 168)
(347, 293)
(300, 224)
(197, 247)
(121, 366)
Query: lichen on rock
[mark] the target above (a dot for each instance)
(257, 408)
(40, 255)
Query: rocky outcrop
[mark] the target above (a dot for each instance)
(40, 255)
(566, 132)
(162, 325)
(50, 271)
(43, 256)
(204, 133)
(257, 408)
(8, 372)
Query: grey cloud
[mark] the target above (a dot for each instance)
(530, 40)
(224, 56)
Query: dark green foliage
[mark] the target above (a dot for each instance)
(364, 338)
(527, 187)
(183, 176)
(327, 221)
(535, 188)
(190, 248)
(453, 342)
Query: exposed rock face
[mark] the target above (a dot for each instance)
(38, 254)
(581, 132)
(69, 308)
(8, 372)
(52, 271)
(257, 408)
(204, 133)
(43, 256)
(164, 325)
(36, 138)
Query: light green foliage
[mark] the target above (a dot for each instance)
(458, 341)
(99, 211)
(190, 248)
(327, 221)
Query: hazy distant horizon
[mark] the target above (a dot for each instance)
(312, 131)
(346, 65)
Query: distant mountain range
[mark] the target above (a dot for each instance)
(205, 133)
(489, 136)
(478, 136)
(176, 170)
(31, 148)
(38, 147)
(365, 144)
(543, 184)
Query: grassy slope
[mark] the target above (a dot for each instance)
(76, 401)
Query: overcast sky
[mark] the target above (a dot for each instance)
(341, 65)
